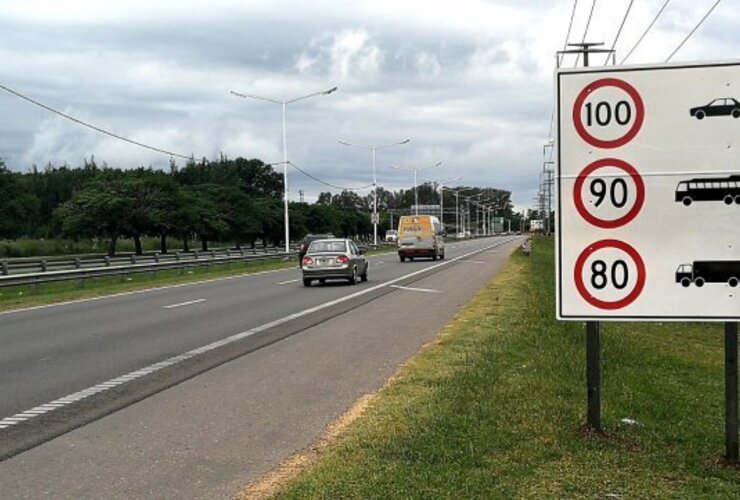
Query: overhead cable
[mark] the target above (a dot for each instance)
(693, 30)
(567, 35)
(646, 31)
(619, 31)
(88, 125)
(320, 181)
(585, 31)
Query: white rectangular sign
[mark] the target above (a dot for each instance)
(648, 189)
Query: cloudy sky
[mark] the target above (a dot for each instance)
(468, 81)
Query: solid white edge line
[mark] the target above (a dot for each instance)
(104, 386)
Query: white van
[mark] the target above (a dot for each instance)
(420, 236)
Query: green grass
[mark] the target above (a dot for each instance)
(495, 409)
(18, 297)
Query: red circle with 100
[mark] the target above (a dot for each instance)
(604, 114)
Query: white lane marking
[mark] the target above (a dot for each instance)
(474, 262)
(289, 281)
(412, 289)
(104, 386)
(183, 304)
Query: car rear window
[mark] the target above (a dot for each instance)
(327, 246)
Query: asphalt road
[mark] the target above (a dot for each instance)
(66, 365)
(208, 436)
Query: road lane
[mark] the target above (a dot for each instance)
(206, 437)
(52, 352)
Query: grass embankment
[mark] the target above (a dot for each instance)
(18, 297)
(495, 407)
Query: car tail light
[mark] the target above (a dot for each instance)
(342, 259)
(307, 261)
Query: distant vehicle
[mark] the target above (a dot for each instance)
(709, 271)
(420, 236)
(337, 258)
(725, 106)
(307, 240)
(725, 189)
(391, 236)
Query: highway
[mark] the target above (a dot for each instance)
(66, 365)
(210, 422)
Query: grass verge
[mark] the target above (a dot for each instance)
(19, 297)
(494, 409)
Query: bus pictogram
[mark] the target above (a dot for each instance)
(725, 189)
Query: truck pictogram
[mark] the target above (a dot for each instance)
(709, 271)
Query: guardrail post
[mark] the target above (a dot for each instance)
(241, 251)
(133, 258)
(4, 267)
(196, 254)
(228, 252)
(156, 256)
(177, 256)
(78, 264)
(44, 265)
(213, 254)
(107, 261)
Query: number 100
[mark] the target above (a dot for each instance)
(603, 114)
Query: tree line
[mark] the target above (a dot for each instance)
(235, 200)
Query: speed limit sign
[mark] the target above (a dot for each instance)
(648, 192)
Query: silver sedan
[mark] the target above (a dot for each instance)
(337, 258)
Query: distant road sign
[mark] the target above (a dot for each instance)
(375, 218)
(648, 191)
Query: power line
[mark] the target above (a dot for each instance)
(88, 125)
(646, 31)
(585, 32)
(560, 58)
(619, 31)
(693, 30)
(320, 181)
(567, 35)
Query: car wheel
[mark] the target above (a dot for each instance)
(322, 281)
(363, 276)
(685, 282)
(353, 279)
(700, 115)
(402, 258)
(736, 113)
(737, 199)
(306, 282)
(434, 256)
(732, 282)
(411, 259)
(442, 256)
(727, 199)
(686, 201)
(699, 282)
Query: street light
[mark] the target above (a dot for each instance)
(285, 146)
(374, 148)
(416, 172)
(442, 197)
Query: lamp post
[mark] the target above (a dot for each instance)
(374, 148)
(442, 198)
(416, 172)
(283, 104)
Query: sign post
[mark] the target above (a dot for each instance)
(648, 188)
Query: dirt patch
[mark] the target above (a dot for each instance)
(270, 483)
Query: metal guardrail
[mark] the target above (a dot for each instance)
(159, 262)
(32, 265)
